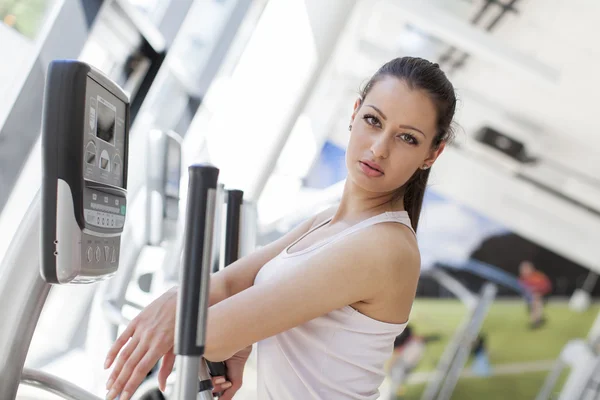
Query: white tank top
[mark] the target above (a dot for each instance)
(338, 356)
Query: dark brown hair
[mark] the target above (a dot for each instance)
(423, 75)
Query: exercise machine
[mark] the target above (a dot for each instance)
(77, 218)
(219, 257)
(457, 351)
(582, 357)
(158, 206)
(190, 333)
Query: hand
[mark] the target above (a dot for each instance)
(235, 374)
(149, 337)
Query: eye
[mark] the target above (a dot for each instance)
(372, 120)
(409, 138)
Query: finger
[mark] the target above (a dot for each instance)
(235, 373)
(229, 393)
(118, 344)
(139, 373)
(123, 357)
(217, 381)
(165, 369)
(125, 373)
(221, 388)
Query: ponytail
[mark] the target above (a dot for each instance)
(414, 193)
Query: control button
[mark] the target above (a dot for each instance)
(90, 254)
(117, 164)
(106, 252)
(105, 161)
(90, 153)
(98, 254)
(114, 256)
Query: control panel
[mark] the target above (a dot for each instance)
(85, 145)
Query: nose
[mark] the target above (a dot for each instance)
(380, 147)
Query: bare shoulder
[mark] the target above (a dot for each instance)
(391, 252)
(388, 246)
(397, 246)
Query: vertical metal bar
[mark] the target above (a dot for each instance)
(22, 297)
(448, 356)
(488, 294)
(551, 379)
(232, 252)
(218, 229)
(248, 228)
(235, 200)
(590, 282)
(155, 187)
(206, 387)
(192, 307)
(444, 364)
(455, 287)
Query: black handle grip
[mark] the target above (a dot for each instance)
(232, 245)
(217, 368)
(235, 199)
(192, 309)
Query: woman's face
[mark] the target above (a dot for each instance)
(391, 137)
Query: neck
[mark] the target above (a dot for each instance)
(357, 204)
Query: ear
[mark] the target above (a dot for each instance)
(435, 154)
(357, 105)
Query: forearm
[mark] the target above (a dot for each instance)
(219, 289)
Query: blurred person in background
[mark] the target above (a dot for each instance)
(538, 284)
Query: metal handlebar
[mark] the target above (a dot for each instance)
(232, 252)
(55, 385)
(190, 334)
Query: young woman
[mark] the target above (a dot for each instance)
(326, 301)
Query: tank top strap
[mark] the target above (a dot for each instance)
(390, 216)
(400, 217)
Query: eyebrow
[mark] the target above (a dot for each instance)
(401, 126)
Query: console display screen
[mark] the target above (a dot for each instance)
(104, 144)
(106, 121)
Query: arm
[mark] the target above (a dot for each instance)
(354, 269)
(240, 275)
(150, 335)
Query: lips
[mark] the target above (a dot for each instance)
(372, 165)
(370, 169)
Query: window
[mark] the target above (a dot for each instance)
(25, 16)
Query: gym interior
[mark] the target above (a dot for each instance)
(262, 90)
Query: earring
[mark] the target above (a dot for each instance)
(425, 166)
(350, 127)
